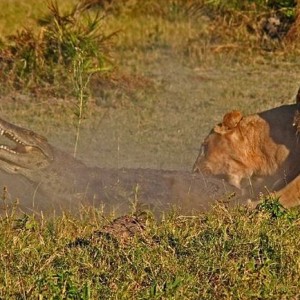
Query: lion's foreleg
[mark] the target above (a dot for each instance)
(289, 196)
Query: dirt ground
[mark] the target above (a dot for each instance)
(161, 125)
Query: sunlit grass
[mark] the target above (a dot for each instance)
(220, 255)
(15, 14)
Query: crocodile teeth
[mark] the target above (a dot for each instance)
(7, 149)
(11, 136)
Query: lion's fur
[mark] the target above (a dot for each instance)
(261, 145)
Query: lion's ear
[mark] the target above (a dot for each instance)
(220, 129)
(232, 119)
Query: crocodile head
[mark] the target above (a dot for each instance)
(29, 151)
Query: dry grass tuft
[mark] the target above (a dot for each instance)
(45, 57)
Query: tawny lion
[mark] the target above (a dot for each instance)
(261, 146)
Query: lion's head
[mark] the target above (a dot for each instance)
(240, 148)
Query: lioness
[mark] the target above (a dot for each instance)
(262, 145)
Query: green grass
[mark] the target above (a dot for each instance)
(219, 255)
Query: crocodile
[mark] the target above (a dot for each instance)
(65, 183)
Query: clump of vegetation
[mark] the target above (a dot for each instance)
(259, 25)
(46, 56)
(217, 255)
(203, 28)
